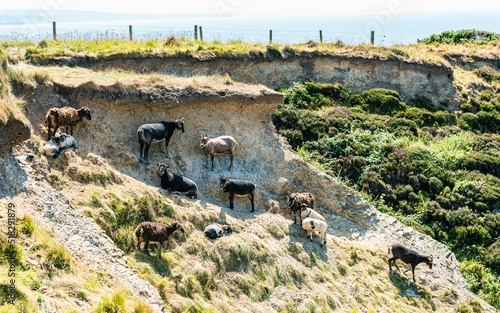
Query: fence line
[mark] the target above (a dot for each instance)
(145, 32)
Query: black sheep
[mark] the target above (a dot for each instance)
(176, 183)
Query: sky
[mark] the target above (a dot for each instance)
(256, 7)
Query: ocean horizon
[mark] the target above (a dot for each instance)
(389, 29)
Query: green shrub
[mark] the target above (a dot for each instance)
(57, 257)
(382, 101)
(463, 36)
(468, 121)
(115, 304)
(435, 185)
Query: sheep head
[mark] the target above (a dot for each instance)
(85, 112)
(179, 124)
(162, 168)
(179, 227)
(203, 140)
(223, 180)
(429, 261)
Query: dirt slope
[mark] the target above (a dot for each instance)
(243, 111)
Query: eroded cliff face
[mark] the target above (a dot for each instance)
(410, 79)
(243, 111)
(14, 127)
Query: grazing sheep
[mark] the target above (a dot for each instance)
(294, 203)
(176, 183)
(214, 231)
(409, 257)
(238, 188)
(306, 211)
(57, 144)
(66, 116)
(160, 131)
(218, 146)
(312, 225)
(151, 231)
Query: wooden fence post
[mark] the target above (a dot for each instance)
(270, 36)
(372, 37)
(130, 32)
(195, 32)
(321, 36)
(201, 34)
(54, 34)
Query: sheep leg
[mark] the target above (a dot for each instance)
(212, 159)
(48, 132)
(55, 130)
(251, 201)
(146, 248)
(231, 156)
(160, 246)
(413, 273)
(146, 153)
(139, 245)
(231, 197)
(141, 150)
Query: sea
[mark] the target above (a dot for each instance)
(382, 28)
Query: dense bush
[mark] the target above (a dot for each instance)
(438, 170)
(463, 36)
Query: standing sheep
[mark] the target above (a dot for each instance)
(66, 116)
(409, 257)
(312, 225)
(238, 188)
(295, 201)
(306, 211)
(218, 146)
(151, 231)
(160, 131)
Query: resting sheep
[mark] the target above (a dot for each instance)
(312, 225)
(294, 203)
(66, 116)
(214, 231)
(238, 188)
(57, 144)
(306, 211)
(151, 231)
(160, 131)
(218, 146)
(409, 257)
(176, 183)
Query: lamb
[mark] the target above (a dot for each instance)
(57, 144)
(66, 116)
(238, 188)
(214, 231)
(294, 203)
(176, 183)
(151, 231)
(312, 225)
(409, 257)
(218, 146)
(160, 131)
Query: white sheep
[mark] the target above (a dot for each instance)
(319, 227)
(306, 211)
(218, 146)
(57, 144)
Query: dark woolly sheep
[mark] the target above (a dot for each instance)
(295, 201)
(161, 131)
(66, 116)
(151, 231)
(409, 257)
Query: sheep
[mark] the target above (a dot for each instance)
(294, 203)
(306, 211)
(218, 146)
(409, 257)
(312, 225)
(151, 231)
(57, 144)
(214, 231)
(238, 188)
(66, 116)
(176, 183)
(160, 131)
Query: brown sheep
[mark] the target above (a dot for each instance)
(151, 231)
(66, 116)
(295, 201)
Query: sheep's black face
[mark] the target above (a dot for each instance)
(429, 262)
(291, 201)
(162, 168)
(312, 224)
(179, 227)
(228, 229)
(222, 181)
(87, 113)
(179, 124)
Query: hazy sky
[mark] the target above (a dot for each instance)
(253, 7)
